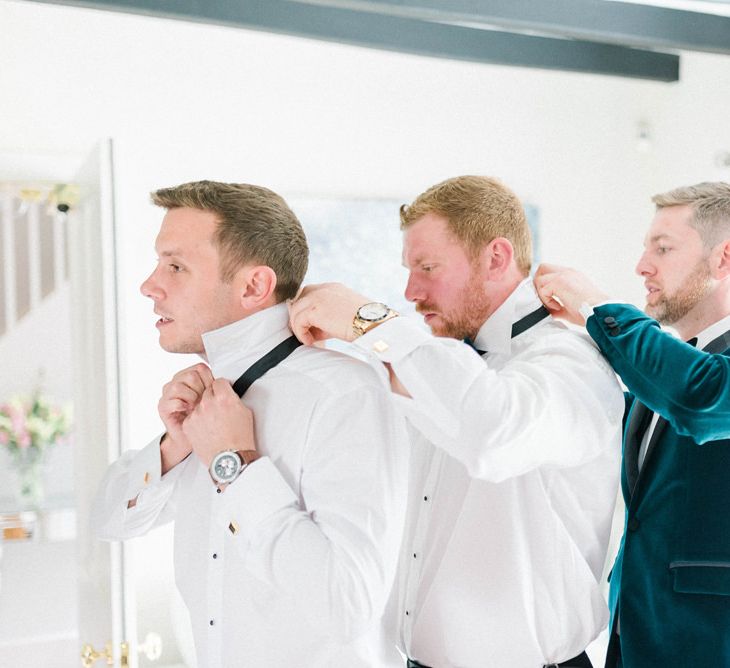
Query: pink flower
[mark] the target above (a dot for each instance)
(24, 439)
(18, 420)
(4, 438)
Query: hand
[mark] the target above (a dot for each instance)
(179, 398)
(219, 422)
(325, 311)
(564, 290)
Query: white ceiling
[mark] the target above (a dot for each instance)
(720, 7)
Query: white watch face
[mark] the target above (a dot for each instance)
(373, 311)
(225, 466)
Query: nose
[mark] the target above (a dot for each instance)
(150, 287)
(643, 266)
(414, 291)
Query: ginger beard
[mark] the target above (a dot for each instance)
(463, 319)
(670, 309)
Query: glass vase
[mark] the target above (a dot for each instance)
(29, 473)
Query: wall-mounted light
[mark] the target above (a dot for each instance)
(643, 136)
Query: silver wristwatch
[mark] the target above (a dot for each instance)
(227, 465)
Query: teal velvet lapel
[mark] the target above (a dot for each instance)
(638, 424)
(661, 425)
(640, 419)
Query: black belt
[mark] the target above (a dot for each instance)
(580, 661)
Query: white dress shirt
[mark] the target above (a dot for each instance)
(292, 564)
(512, 488)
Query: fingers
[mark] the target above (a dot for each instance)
(546, 268)
(183, 392)
(302, 311)
(197, 377)
(301, 326)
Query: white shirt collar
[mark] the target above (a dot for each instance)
(495, 335)
(713, 331)
(232, 349)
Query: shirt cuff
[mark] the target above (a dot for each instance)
(586, 309)
(257, 494)
(393, 340)
(145, 471)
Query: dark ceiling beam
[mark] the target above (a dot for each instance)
(408, 35)
(628, 24)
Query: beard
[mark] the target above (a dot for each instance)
(466, 317)
(671, 309)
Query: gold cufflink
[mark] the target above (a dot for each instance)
(146, 478)
(380, 346)
(233, 528)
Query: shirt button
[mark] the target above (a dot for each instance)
(414, 555)
(425, 498)
(407, 613)
(215, 555)
(634, 524)
(609, 320)
(211, 622)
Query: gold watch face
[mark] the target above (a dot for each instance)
(372, 312)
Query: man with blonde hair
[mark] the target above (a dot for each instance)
(284, 551)
(513, 452)
(670, 586)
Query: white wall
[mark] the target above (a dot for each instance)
(187, 101)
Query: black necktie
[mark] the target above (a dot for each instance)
(522, 325)
(268, 361)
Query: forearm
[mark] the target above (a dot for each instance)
(688, 387)
(133, 496)
(552, 404)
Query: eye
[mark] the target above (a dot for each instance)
(663, 250)
(427, 268)
(174, 268)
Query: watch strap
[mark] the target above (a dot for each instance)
(360, 325)
(248, 457)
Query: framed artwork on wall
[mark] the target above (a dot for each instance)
(358, 242)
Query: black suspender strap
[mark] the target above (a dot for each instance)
(268, 361)
(522, 325)
(531, 319)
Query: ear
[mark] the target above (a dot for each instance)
(257, 287)
(720, 260)
(497, 258)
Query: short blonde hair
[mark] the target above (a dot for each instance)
(710, 202)
(477, 209)
(254, 225)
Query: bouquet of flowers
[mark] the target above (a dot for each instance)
(29, 426)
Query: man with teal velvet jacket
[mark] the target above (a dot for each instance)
(670, 585)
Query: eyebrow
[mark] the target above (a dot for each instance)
(171, 253)
(660, 237)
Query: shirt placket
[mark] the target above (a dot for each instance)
(424, 509)
(215, 581)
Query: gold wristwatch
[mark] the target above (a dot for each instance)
(370, 315)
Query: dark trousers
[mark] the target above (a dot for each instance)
(580, 661)
(613, 654)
